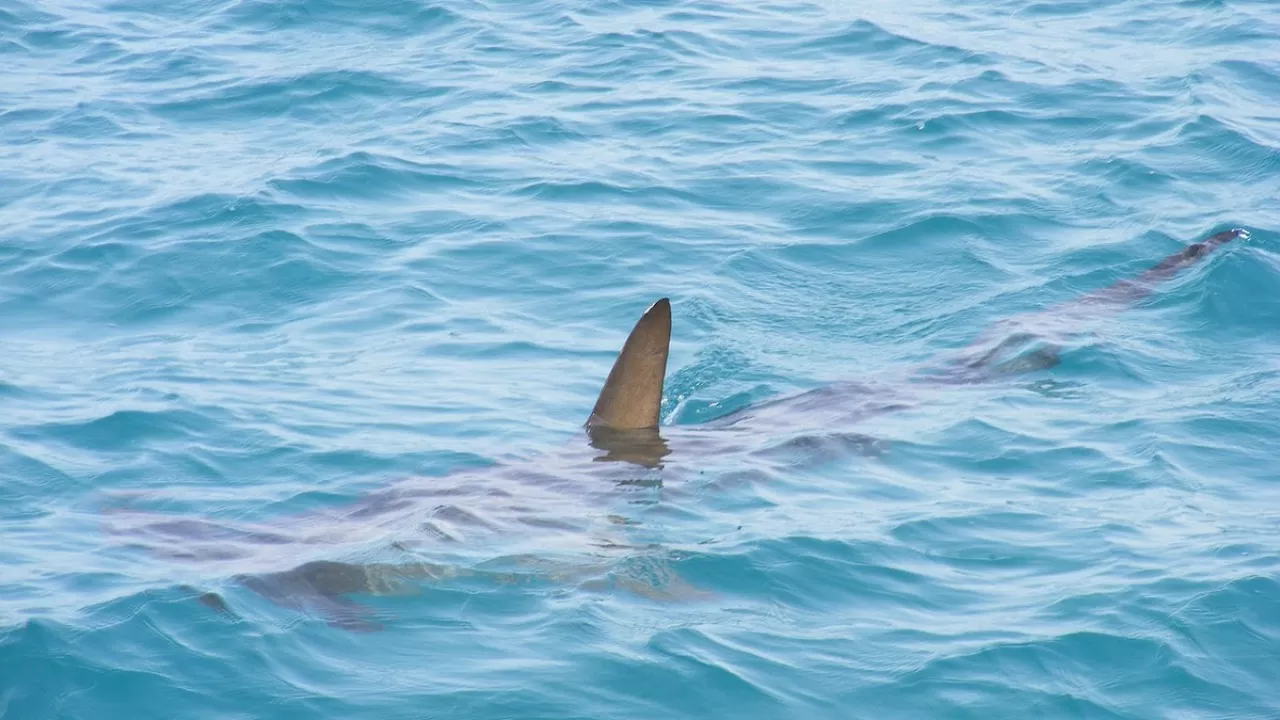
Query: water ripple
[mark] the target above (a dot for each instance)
(302, 296)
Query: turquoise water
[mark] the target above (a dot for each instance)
(261, 258)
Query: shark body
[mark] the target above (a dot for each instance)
(621, 445)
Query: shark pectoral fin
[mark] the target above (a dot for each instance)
(632, 394)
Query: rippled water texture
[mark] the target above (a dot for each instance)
(318, 293)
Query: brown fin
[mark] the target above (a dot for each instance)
(632, 395)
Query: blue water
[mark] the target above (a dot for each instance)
(259, 258)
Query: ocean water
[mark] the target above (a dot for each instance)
(260, 259)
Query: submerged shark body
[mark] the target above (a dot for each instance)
(623, 448)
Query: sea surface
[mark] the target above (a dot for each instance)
(260, 259)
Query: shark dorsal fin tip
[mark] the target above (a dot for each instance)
(632, 395)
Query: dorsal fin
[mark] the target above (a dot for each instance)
(633, 393)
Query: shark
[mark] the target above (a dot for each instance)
(622, 444)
